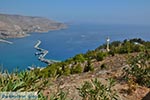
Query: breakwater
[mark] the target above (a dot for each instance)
(42, 53)
(5, 41)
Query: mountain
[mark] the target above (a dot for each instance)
(12, 26)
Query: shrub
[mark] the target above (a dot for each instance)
(95, 90)
(21, 81)
(115, 44)
(90, 54)
(139, 69)
(59, 95)
(77, 69)
(112, 53)
(100, 56)
(79, 58)
(88, 67)
(138, 48)
(52, 70)
(103, 66)
(66, 71)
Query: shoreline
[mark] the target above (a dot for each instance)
(29, 33)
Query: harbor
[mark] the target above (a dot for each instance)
(42, 53)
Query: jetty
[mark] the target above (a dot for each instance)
(5, 41)
(33, 68)
(42, 53)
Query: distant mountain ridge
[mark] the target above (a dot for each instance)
(12, 26)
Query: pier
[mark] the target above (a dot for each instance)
(5, 41)
(42, 53)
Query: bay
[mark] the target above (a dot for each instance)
(63, 44)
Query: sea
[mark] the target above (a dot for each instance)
(65, 43)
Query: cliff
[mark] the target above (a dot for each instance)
(12, 26)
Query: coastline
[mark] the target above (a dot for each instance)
(25, 34)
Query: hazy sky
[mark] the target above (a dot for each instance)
(100, 11)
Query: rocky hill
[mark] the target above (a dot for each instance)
(12, 26)
(115, 66)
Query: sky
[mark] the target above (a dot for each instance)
(95, 11)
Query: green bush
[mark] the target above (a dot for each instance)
(59, 95)
(21, 81)
(77, 69)
(100, 56)
(111, 52)
(89, 66)
(95, 90)
(129, 47)
(90, 54)
(115, 44)
(52, 70)
(137, 48)
(139, 69)
(67, 71)
(79, 58)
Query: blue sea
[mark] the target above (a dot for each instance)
(63, 44)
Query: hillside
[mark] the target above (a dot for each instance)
(123, 73)
(115, 66)
(12, 26)
(127, 63)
